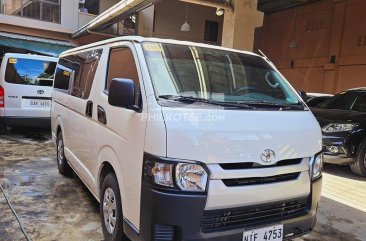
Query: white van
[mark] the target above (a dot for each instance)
(186, 141)
(25, 89)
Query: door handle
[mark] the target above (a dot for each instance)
(102, 117)
(89, 109)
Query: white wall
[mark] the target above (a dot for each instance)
(69, 19)
(171, 14)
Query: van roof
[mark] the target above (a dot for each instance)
(30, 56)
(140, 39)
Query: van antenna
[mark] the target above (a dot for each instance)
(263, 55)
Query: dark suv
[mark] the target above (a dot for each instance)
(343, 122)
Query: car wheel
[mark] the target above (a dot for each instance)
(111, 209)
(359, 167)
(63, 166)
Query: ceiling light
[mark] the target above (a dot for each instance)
(220, 11)
(292, 44)
(186, 27)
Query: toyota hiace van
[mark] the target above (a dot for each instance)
(187, 141)
(25, 89)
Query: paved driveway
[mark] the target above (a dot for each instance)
(53, 207)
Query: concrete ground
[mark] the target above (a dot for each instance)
(53, 207)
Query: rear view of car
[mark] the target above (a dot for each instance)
(25, 90)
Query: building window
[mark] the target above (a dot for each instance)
(128, 26)
(89, 6)
(211, 32)
(44, 10)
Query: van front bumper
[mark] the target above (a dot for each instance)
(180, 216)
(41, 122)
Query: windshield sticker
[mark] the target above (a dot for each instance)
(66, 73)
(12, 61)
(153, 47)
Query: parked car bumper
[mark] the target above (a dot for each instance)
(44, 122)
(338, 149)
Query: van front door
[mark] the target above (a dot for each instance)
(119, 135)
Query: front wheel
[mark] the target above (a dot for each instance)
(359, 167)
(111, 209)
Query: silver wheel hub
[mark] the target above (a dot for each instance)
(109, 210)
(60, 152)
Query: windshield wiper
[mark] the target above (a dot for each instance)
(192, 99)
(297, 106)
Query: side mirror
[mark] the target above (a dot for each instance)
(122, 94)
(303, 95)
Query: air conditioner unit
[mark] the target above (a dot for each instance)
(81, 1)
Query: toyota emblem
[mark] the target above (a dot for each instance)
(40, 92)
(268, 156)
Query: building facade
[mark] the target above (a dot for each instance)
(45, 26)
(319, 47)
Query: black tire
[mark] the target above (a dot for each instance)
(63, 166)
(110, 183)
(359, 166)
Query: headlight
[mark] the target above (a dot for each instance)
(162, 174)
(338, 127)
(191, 177)
(317, 166)
(188, 177)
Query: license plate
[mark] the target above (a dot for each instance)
(273, 233)
(30, 103)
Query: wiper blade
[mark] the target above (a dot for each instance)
(297, 106)
(192, 99)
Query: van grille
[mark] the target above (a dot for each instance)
(260, 180)
(249, 165)
(218, 220)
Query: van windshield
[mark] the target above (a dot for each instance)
(30, 72)
(181, 71)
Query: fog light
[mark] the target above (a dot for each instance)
(333, 149)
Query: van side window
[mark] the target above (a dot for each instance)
(79, 69)
(87, 64)
(62, 78)
(122, 65)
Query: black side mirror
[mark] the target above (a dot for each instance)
(122, 94)
(303, 95)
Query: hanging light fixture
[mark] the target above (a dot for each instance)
(186, 27)
(220, 11)
(293, 44)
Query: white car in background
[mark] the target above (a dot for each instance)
(25, 89)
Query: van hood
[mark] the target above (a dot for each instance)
(233, 136)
